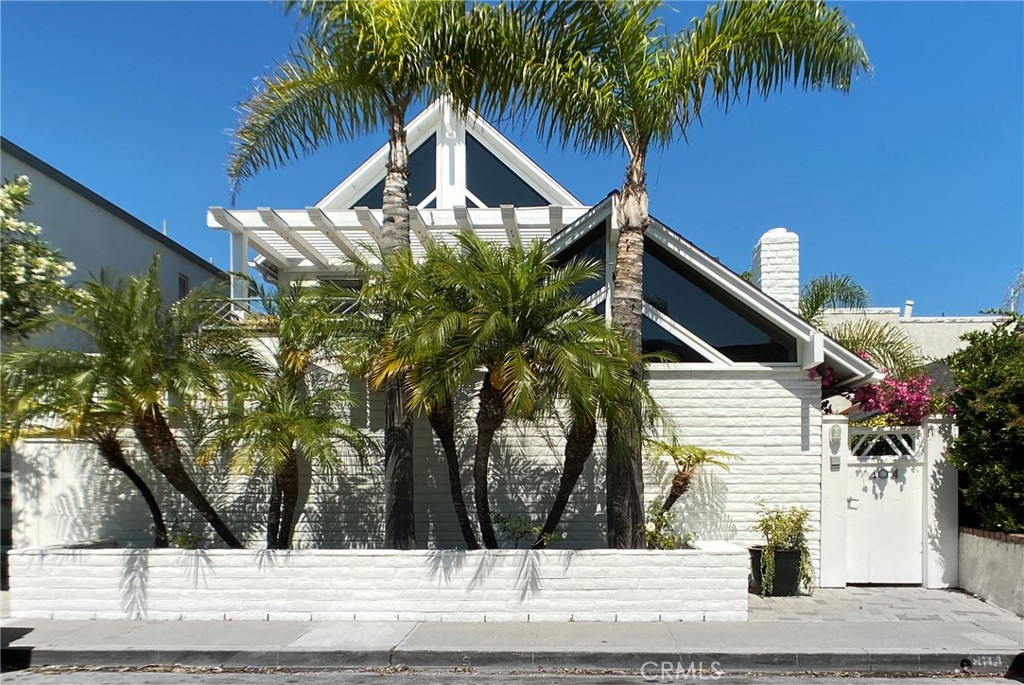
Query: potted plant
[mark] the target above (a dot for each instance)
(781, 565)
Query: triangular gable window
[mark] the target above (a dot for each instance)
(489, 180)
(657, 339)
(590, 247)
(716, 317)
(422, 177)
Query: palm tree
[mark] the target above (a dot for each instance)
(291, 412)
(146, 353)
(509, 312)
(358, 69)
(49, 393)
(605, 74)
(886, 345)
(687, 459)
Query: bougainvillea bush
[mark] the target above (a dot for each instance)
(989, 406)
(902, 402)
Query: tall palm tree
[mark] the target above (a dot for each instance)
(885, 344)
(49, 393)
(606, 75)
(509, 312)
(296, 409)
(359, 67)
(146, 353)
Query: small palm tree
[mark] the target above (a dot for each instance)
(295, 409)
(885, 344)
(46, 394)
(146, 353)
(358, 69)
(606, 75)
(508, 312)
(687, 459)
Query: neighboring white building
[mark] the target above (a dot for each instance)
(936, 337)
(96, 234)
(741, 383)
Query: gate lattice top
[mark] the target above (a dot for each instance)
(897, 441)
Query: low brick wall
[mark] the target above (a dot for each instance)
(704, 584)
(991, 567)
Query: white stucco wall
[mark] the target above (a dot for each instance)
(94, 238)
(708, 584)
(992, 567)
(769, 418)
(935, 336)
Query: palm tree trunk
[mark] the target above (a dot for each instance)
(288, 484)
(579, 445)
(162, 449)
(274, 513)
(625, 485)
(680, 486)
(111, 450)
(399, 486)
(489, 418)
(442, 421)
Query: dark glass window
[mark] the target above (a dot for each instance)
(183, 286)
(495, 184)
(657, 339)
(422, 177)
(590, 247)
(714, 316)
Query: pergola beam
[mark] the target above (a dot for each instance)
(508, 219)
(274, 222)
(369, 223)
(555, 219)
(464, 221)
(229, 222)
(420, 228)
(327, 227)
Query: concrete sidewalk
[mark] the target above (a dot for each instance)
(857, 629)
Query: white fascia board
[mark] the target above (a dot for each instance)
(370, 172)
(517, 160)
(581, 225)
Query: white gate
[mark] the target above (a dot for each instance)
(885, 481)
(888, 504)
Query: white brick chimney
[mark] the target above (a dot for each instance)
(776, 268)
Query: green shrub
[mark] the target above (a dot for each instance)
(989, 406)
(784, 530)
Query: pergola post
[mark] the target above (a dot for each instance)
(239, 269)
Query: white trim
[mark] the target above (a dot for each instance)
(685, 335)
(450, 162)
(427, 199)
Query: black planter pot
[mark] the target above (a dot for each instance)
(787, 572)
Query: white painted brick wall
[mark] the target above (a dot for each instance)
(769, 417)
(499, 585)
(776, 266)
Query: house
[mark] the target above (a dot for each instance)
(741, 383)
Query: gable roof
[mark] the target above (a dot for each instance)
(815, 345)
(450, 134)
(103, 203)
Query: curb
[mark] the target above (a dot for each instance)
(854, 661)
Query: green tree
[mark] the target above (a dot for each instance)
(147, 353)
(296, 409)
(31, 272)
(606, 75)
(359, 67)
(508, 312)
(989, 405)
(885, 344)
(50, 393)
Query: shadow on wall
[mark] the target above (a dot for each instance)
(702, 511)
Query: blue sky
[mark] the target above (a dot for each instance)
(913, 183)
